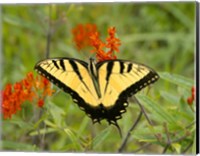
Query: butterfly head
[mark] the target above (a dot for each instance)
(92, 60)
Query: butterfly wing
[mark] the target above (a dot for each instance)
(73, 77)
(119, 79)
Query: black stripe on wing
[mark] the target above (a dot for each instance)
(109, 71)
(75, 68)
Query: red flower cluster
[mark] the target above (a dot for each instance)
(112, 43)
(81, 35)
(25, 90)
(92, 39)
(192, 97)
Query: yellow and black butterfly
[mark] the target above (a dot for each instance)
(100, 89)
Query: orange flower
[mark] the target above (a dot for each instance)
(190, 100)
(40, 102)
(81, 35)
(89, 36)
(192, 97)
(25, 90)
(99, 45)
(193, 92)
(112, 43)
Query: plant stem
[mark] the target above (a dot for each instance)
(48, 35)
(143, 111)
(129, 132)
(165, 149)
(187, 148)
(168, 138)
(142, 147)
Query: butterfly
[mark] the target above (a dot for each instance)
(100, 89)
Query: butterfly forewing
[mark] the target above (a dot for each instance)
(71, 76)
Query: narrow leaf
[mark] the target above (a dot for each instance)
(11, 145)
(156, 109)
(56, 113)
(177, 147)
(17, 21)
(73, 138)
(177, 79)
(170, 97)
(42, 131)
(83, 125)
(101, 137)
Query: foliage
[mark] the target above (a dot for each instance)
(160, 35)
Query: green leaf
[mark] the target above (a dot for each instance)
(179, 14)
(150, 139)
(83, 125)
(101, 137)
(150, 37)
(12, 145)
(42, 131)
(177, 147)
(73, 138)
(177, 79)
(170, 97)
(184, 107)
(17, 21)
(194, 144)
(161, 114)
(36, 125)
(19, 122)
(51, 124)
(146, 134)
(57, 113)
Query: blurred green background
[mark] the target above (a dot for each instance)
(160, 35)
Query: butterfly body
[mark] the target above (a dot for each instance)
(100, 89)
